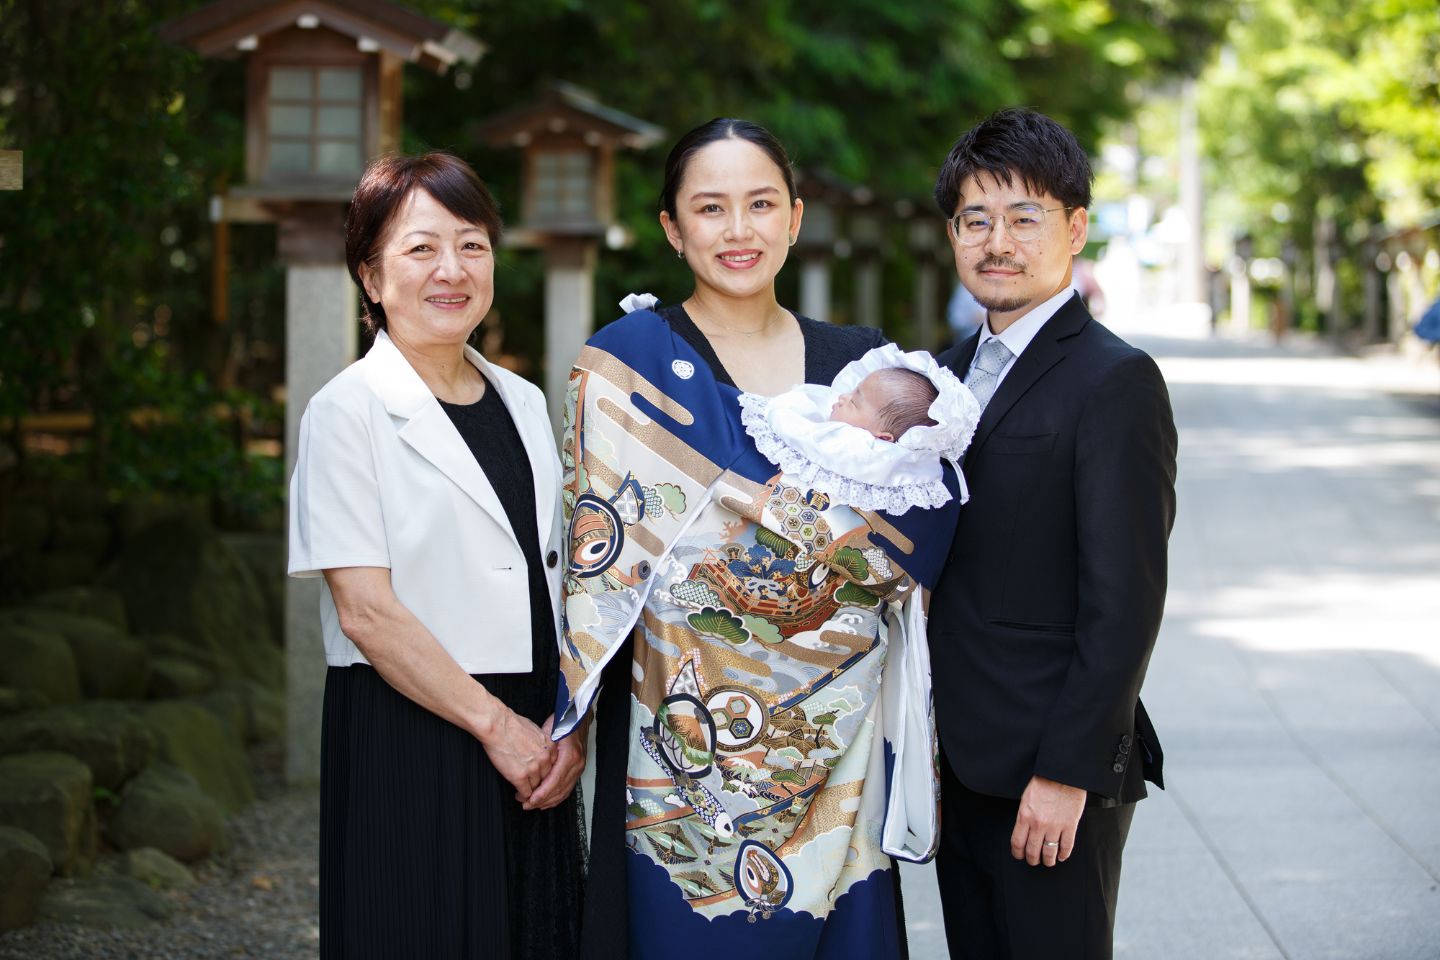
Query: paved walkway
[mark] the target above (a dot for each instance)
(1296, 683)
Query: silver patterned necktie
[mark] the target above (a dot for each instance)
(984, 374)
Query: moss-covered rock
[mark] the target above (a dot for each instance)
(24, 874)
(155, 869)
(171, 645)
(165, 809)
(175, 677)
(191, 738)
(181, 579)
(109, 663)
(264, 555)
(265, 711)
(87, 601)
(140, 512)
(27, 526)
(227, 705)
(107, 901)
(57, 569)
(13, 701)
(48, 795)
(108, 737)
(36, 660)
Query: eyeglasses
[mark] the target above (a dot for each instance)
(1024, 222)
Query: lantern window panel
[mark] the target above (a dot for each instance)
(315, 120)
(564, 184)
(289, 156)
(337, 157)
(340, 83)
(339, 122)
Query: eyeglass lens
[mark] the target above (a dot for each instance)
(1023, 223)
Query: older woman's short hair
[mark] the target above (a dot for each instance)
(385, 185)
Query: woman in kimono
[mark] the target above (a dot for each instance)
(754, 649)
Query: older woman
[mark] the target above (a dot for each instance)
(426, 493)
(750, 731)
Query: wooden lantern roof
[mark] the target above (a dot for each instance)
(563, 109)
(232, 27)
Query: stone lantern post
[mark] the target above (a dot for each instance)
(925, 238)
(867, 248)
(12, 169)
(567, 207)
(323, 98)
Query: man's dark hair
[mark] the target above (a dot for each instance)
(1017, 142)
(383, 188)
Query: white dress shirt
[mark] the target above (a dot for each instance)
(1018, 335)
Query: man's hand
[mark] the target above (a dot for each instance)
(1045, 826)
(569, 764)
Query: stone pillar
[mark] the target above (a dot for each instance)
(927, 289)
(815, 288)
(1374, 288)
(923, 238)
(867, 291)
(1395, 298)
(569, 314)
(321, 307)
(1327, 288)
(1191, 288)
(1239, 295)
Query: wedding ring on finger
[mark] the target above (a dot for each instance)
(1052, 843)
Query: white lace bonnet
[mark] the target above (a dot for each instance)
(794, 432)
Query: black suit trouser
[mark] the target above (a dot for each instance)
(1000, 908)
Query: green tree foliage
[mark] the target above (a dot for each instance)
(104, 271)
(105, 253)
(1325, 110)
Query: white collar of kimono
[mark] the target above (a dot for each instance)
(794, 431)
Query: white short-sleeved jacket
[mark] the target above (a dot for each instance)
(383, 479)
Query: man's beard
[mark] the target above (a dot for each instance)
(998, 305)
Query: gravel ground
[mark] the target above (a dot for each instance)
(258, 899)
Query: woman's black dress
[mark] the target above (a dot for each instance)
(424, 851)
(828, 349)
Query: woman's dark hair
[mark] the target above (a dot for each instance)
(721, 128)
(383, 188)
(1017, 142)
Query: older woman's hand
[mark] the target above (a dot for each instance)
(569, 764)
(521, 751)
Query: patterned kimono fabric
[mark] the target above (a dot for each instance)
(780, 681)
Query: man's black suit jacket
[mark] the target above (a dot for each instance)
(1043, 621)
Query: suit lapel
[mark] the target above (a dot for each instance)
(427, 429)
(1044, 352)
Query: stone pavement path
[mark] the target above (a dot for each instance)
(1296, 683)
(1296, 687)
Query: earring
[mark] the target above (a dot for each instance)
(680, 254)
(793, 239)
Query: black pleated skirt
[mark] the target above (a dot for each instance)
(424, 851)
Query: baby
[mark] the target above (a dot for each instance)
(887, 403)
(874, 439)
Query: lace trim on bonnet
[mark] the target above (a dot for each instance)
(795, 433)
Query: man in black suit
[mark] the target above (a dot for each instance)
(1042, 623)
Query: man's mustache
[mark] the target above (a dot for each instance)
(1004, 263)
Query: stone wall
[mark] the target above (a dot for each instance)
(139, 659)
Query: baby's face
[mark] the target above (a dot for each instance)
(861, 407)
